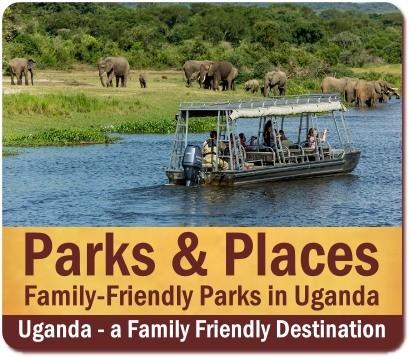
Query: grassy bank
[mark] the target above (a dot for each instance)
(389, 69)
(72, 108)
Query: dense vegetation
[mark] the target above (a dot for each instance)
(308, 41)
(297, 38)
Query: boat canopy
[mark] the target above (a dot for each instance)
(263, 107)
(292, 109)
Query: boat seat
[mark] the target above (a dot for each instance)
(264, 156)
(258, 148)
(294, 152)
(287, 143)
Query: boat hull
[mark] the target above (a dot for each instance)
(276, 173)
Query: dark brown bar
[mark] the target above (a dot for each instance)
(103, 341)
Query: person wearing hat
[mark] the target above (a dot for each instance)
(209, 152)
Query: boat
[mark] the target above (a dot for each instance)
(232, 163)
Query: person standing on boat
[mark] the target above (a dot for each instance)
(242, 139)
(269, 138)
(209, 151)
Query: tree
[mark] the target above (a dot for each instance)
(306, 32)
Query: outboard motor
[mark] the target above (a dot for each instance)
(192, 164)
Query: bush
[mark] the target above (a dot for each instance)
(341, 71)
(261, 68)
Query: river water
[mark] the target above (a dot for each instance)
(124, 184)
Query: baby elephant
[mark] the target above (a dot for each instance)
(252, 85)
(143, 81)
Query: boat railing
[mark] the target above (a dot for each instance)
(251, 103)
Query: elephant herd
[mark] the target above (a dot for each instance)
(119, 68)
(212, 74)
(108, 68)
(273, 80)
(359, 91)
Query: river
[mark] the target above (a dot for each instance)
(124, 184)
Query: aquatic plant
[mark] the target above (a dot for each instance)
(161, 127)
(9, 152)
(60, 137)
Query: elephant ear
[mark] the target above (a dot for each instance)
(210, 69)
(108, 65)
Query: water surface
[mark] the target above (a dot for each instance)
(124, 184)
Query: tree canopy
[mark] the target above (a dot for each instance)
(59, 35)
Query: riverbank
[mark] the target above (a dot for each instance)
(72, 108)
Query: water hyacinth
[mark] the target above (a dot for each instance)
(61, 137)
(166, 126)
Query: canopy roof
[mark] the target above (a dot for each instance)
(259, 107)
(287, 110)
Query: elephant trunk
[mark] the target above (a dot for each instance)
(102, 80)
(31, 76)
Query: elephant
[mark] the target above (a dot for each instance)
(380, 91)
(275, 79)
(190, 67)
(252, 85)
(366, 93)
(234, 75)
(334, 85)
(143, 80)
(222, 71)
(387, 91)
(117, 66)
(349, 90)
(195, 77)
(205, 81)
(19, 67)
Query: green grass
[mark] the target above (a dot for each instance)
(64, 104)
(393, 69)
(54, 112)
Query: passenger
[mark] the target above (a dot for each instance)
(269, 139)
(324, 136)
(267, 133)
(282, 135)
(209, 151)
(242, 139)
(253, 140)
(313, 137)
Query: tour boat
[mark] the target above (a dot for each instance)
(232, 162)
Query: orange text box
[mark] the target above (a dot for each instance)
(387, 281)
